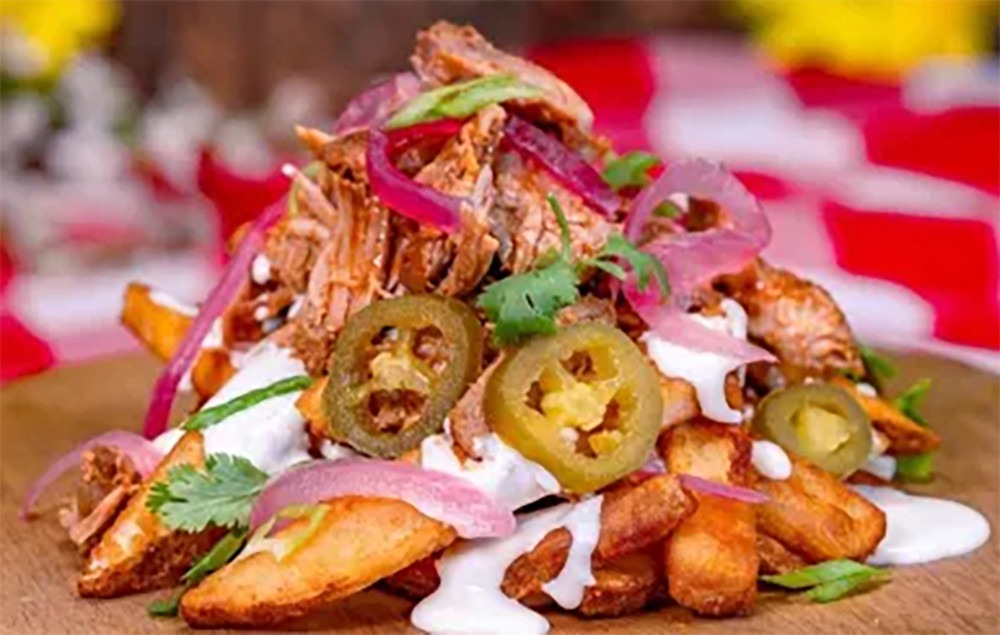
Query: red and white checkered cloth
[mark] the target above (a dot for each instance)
(894, 210)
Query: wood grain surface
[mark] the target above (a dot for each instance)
(41, 418)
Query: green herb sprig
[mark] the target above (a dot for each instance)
(222, 494)
(629, 170)
(526, 304)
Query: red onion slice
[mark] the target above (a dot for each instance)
(694, 258)
(681, 329)
(401, 138)
(372, 107)
(565, 166)
(705, 486)
(142, 452)
(225, 290)
(437, 495)
(404, 196)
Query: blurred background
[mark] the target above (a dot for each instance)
(134, 136)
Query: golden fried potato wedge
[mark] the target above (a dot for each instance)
(360, 541)
(776, 558)
(711, 560)
(818, 517)
(632, 519)
(160, 328)
(626, 585)
(905, 435)
(211, 371)
(310, 406)
(139, 553)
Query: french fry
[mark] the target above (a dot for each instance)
(711, 560)
(160, 328)
(624, 586)
(632, 519)
(140, 553)
(359, 542)
(310, 406)
(776, 558)
(905, 436)
(815, 515)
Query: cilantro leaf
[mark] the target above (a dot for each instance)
(880, 368)
(526, 304)
(221, 494)
(629, 170)
(830, 580)
(667, 209)
(215, 559)
(211, 416)
(643, 265)
(461, 100)
(909, 402)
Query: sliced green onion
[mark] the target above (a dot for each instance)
(458, 101)
(915, 468)
(876, 365)
(909, 402)
(211, 416)
(829, 581)
(287, 545)
(215, 559)
(629, 170)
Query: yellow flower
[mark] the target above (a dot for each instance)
(883, 38)
(52, 32)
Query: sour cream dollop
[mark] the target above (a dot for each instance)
(703, 370)
(922, 529)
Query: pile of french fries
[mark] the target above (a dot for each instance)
(658, 542)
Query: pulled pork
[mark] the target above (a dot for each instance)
(107, 480)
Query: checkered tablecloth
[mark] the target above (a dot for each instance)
(885, 194)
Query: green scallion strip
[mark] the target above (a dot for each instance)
(211, 416)
(461, 100)
(829, 581)
(215, 559)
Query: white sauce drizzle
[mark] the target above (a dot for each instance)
(271, 434)
(297, 305)
(771, 460)
(335, 451)
(260, 269)
(703, 370)
(260, 313)
(505, 475)
(469, 599)
(866, 389)
(168, 301)
(923, 529)
(881, 465)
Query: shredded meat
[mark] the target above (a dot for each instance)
(107, 480)
(447, 53)
(589, 308)
(525, 223)
(467, 417)
(349, 271)
(426, 258)
(795, 319)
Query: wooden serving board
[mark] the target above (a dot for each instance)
(44, 416)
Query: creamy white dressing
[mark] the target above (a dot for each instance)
(334, 451)
(272, 434)
(771, 460)
(469, 599)
(505, 475)
(297, 305)
(703, 370)
(260, 313)
(881, 465)
(922, 529)
(168, 301)
(866, 389)
(260, 269)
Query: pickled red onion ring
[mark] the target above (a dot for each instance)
(225, 290)
(401, 138)
(437, 495)
(375, 105)
(565, 166)
(142, 452)
(733, 492)
(403, 195)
